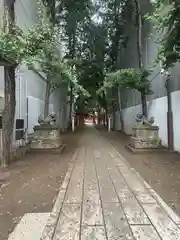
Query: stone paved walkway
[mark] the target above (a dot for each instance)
(103, 198)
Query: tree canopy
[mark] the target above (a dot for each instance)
(90, 35)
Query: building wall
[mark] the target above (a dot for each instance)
(30, 86)
(26, 13)
(1, 88)
(157, 102)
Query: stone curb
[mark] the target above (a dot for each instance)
(175, 218)
(50, 227)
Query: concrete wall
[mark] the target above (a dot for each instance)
(157, 102)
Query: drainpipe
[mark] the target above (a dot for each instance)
(170, 128)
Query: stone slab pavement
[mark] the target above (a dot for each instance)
(103, 198)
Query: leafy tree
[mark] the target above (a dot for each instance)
(165, 18)
(113, 21)
(73, 16)
(138, 24)
(18, 48)
(115, 16)
(128, 78)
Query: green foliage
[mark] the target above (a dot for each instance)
(68, 74)
(12, 45)
(18, 47)
(90, 76)
(128, 78)
(60, 71)
(167, 22)
(74, 16)
(113, 24)
(114, 38)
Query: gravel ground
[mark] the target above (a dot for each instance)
(32, 184)
(161, 170)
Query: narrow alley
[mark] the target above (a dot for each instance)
(89, 120)
(102, 197)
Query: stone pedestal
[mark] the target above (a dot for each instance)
(145, 137)
(46, 137)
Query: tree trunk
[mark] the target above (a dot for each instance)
(115, 51)
(48, 84)
(72, 45)
(99, 117)
(8, 115)
(46, 105)
(139, 50)
(106, 117)
(71, 104)
(94, 117)
(113, 118)
(9, 93)
(139, 33)
(120, 110)
(144, 104)
(63, 118)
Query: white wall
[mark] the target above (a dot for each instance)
(158, 109)
(176, 118)
(1, 87)
(30, 96)
(34, 109)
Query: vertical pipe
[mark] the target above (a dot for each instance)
(20, 105)
(26, 97)
(1, 142)
(170, 128)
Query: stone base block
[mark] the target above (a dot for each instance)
(46, 143)
(145, 143)
(49, 150)
(133, 150)
(145, 137)
(46, 137)
(145, 132)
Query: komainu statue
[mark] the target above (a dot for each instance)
(48, 121)
(141, 119)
